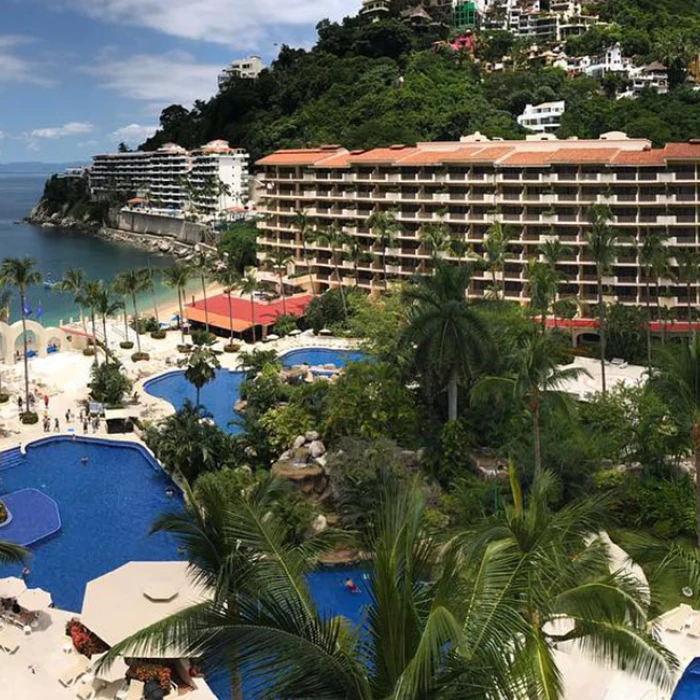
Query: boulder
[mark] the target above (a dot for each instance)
(321, 461)
(311, 435)
(300, 456)
(286, 456)
(298, 442)
(319, 524)
(317, 449)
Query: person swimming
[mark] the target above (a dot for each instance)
(350, 586)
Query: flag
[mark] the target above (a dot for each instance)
(27, 310)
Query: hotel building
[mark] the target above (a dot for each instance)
(538, 188)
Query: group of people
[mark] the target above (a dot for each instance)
(84, 418)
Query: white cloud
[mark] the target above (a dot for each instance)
(133, 133)
(15, 68)
(163, 78)
(242, 24)
(59, 132)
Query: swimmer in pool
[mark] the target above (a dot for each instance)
(350, 586)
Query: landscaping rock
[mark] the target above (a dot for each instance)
(311, 435)
(300, 456)
(317, 449)
(298, 442)
(319, 524)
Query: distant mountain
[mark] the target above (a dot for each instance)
(36, 168)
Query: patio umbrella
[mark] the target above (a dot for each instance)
(35, 599)
(116, 671)
(12, 587)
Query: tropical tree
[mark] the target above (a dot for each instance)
(551, 565)
(661, 269)
(278, 261)
(106, 306)
(5, 299)
(384, 228)
(307, 235)
(496, 243)
(450, 338)
(536, 379)
(90, 297)
(177, 277)
(228, 276)
(12, 553)
(435, 237)
(249, 286)
(131, 283)
(650, 249)
(688, 273)
(150, 275)
(554, 251)
(20, 274)
(542, 287)
(336, 239)
(201, 264)
(72, 281)
(200, 369)
(602, 243)
(357, 254)
(677, 381)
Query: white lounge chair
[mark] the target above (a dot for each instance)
(77, 669)
(87, 692)
(676, 619)
(135, 690)
(694, 628)
(10, 639)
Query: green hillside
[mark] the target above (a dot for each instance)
(348, 88)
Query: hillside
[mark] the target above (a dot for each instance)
(348, 89)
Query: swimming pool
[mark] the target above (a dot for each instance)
(219, 396)
(688, 687)
(107, 506)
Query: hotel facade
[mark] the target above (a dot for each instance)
(538, 188)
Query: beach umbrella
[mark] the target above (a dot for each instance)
(116, 671)
(12, 587)
(35, 599)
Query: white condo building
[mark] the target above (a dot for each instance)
(207, 182)
(544, 118)
(247, 68)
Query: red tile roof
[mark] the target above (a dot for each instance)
(382, 155)
(299, 156)
(655, 157)
(583, 155)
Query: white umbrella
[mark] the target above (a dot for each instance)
(116, 671)
(35, 599)
(12, 587)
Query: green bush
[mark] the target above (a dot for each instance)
(29, 418)
(283, 424)
(159, 334)
(4, 398)
(285, 324)
(203, 337)
(140, 357)
(126, 345)
(232, 347)
(3, 513)
(109, 384)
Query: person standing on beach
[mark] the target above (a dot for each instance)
(46, 400)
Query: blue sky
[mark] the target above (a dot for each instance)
(78, 76)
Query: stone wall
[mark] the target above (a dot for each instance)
(166, 226)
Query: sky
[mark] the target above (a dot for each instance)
(79, 76)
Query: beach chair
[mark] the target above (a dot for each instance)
(676, 618)
(72, 673)
(9, 639)
(135, 690)
(87, 692)
(694, 628)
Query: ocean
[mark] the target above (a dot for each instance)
(56, 250)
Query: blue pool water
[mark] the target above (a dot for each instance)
(688, 687)
(219, 396)
(107, 507)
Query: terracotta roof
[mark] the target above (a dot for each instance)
(682, 151)
(426, 157)
(298, 156)
(489, 153)
(383, 155)
(654, 157)
(335, 161)
(461, 155)
(583, 155)
(527, 158)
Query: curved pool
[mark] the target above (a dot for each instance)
(220, 395)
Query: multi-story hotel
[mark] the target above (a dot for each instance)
(538, 188)
(207, 181)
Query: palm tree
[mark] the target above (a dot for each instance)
(202, 265)
(150, 275)
(307, 235)
(89, 297)
(537, 377)
(602, 242)
(278, 261)
(449, 337)
(5, 299)
(553, 567)
(12, 553)
(72, 281)
(228, 276)
(336, 239)
(689, 273)
(553, 251)
(384, 228)
(201, 366)
(677, 381)
(435, 237)
(177, 277)
(131, 282)
(649, 250)
(661, 268)
(542, 285)
(496, 243)
(250, 285)
(356, 254)
(20, 274)
(106, 306)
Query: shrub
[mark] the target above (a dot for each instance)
(3, 513)
(202, 337)
(108, 384)
(4, 398)
(140, 357)
(285, 324)
(232, 347)
(283, 423)
(84, 641)
(184, 348)
(29, 418)
(145, 672)
(89, 352)
(159, 334)
(126, 345)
